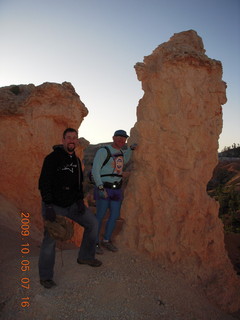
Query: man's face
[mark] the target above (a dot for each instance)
(119, 142)
(70, 141)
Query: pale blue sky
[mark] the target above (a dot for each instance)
(94, 44)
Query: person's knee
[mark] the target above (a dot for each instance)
(92, 222)
(95, 227)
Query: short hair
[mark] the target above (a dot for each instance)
(69, 130)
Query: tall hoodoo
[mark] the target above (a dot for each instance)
(166, 207)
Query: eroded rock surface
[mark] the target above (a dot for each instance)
(33, 119)
(167, 210)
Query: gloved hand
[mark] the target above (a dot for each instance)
(81, 206)
(133, 146)
(50, 213)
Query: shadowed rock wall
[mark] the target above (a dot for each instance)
(33, 119)
(167, 211)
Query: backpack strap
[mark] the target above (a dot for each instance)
(109, 155)
(90, 176)
(111, 175)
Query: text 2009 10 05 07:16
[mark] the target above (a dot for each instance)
(25, 250)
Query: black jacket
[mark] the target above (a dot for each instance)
(61, 178)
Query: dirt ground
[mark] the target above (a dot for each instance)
(127, 286)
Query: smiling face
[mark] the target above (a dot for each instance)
(70, 142)
(119, 142)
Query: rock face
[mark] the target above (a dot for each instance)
(33, 119)
(167, 210)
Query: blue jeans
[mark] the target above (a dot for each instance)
(114, 207)
(87, 248)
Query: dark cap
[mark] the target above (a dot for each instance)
(121, 133)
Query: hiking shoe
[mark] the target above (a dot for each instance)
(92, 263)
(99, 250)
(48, 284)
(109, 246)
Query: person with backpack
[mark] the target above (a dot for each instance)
(61, 188)
(107, 175)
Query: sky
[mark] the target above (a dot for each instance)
(94, 44)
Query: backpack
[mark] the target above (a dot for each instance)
(109, 155)
(90, 176)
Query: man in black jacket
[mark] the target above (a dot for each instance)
(60, 184)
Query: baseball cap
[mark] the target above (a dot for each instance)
(121, 133)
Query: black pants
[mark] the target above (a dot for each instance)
(87, 248)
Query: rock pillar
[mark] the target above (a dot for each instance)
(167, 210)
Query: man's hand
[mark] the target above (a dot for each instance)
(102, 192)
(133, 146)
(50, 214)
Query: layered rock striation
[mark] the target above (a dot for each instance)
(167, 210)
(32, 120)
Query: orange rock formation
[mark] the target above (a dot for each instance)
(33, 119)
(167, 210)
